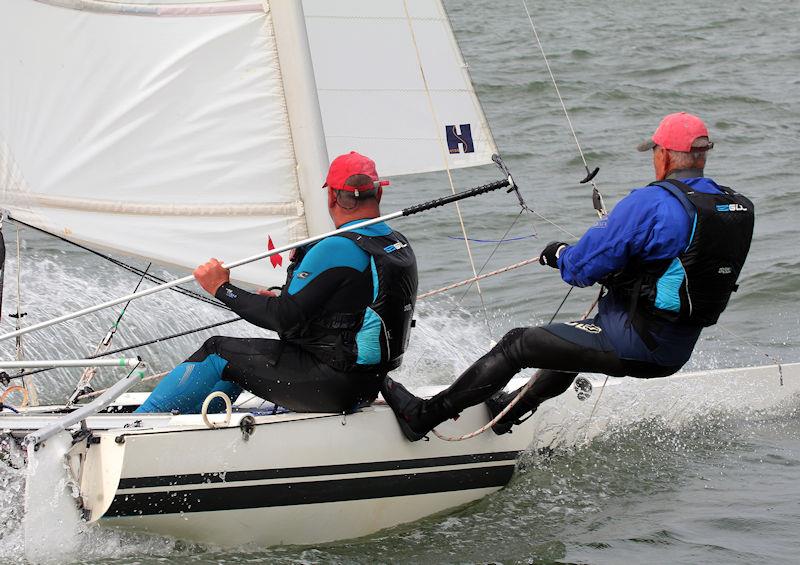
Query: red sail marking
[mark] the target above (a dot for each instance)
(276, 259)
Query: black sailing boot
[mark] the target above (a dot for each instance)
(499, 401)
(548, 384)
(416, 416)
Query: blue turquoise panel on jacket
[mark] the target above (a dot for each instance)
(186, 387)
(368, 339)
(669, 285)
(330, 253)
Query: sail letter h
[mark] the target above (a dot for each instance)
(458, 138)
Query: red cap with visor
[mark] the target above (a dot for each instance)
(349, 164)
(679, 132)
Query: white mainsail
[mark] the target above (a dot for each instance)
(178, 131)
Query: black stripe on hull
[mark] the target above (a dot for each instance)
(295, 472)
(312, 492)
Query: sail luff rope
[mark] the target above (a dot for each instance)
(435, 119)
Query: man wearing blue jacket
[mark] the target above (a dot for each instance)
(668, 255)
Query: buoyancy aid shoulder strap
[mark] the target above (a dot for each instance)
(679, 190)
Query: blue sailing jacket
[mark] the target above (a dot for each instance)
(649, 224)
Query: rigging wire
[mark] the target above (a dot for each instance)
(150, 277)
(597, 197)
(758, 350)
(89, 372)
(141, 344)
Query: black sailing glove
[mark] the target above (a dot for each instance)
(551, 253)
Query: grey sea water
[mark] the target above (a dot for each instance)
(720, 488)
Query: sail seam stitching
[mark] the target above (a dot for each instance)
(137, 208)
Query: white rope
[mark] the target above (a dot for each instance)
(478, 278)
(497, 418)
(555, 84)
(446, 162)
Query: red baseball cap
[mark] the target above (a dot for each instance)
(349, 164)
(679, 132)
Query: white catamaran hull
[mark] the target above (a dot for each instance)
(311, 478)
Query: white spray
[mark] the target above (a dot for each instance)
(52, 520)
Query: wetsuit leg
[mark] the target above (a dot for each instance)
(531, 347)
(271, 369)
(291, 377)
(562, 350)
(186, 387)
(584, 348)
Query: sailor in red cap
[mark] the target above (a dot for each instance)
(343, 316)
(669, 255)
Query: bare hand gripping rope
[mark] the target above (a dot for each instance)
(416, 209)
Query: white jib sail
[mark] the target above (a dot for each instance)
(173, 131)
(392, 84)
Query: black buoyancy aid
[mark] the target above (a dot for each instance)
(694, 287)
(333, 338)
(396, 296)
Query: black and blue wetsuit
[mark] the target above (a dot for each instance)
(343, 317)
